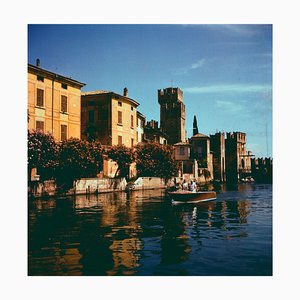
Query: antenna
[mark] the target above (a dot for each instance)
(267, 138)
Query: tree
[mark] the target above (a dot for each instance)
(195, 126)
(77, 159)
(156, 160)
(123, 156)
(42, 154)
(91, 132)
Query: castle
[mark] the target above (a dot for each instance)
(57, 105)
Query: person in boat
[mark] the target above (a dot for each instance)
(193, 186)
(185, 186)
(179, 186)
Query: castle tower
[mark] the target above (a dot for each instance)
(172, 114)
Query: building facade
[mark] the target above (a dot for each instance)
(188, 169)
(140, 127)
(172, 114)
(53, 103)
(154, 134)
(217, 144)
(200, 151)
(262, 169)
(238, 159)
(109, 117)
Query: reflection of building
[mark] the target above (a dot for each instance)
(217, 144)
(172, 114)
(125, 241)
(154, 134)
(109, 117)
(238, 160)
(53, 103)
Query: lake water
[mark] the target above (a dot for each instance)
(143, 233)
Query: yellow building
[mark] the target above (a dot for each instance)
(53, 103)
(109, 117)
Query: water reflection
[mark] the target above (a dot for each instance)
(138, 233)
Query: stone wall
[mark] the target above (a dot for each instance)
(99, 185)
(42, 189)
(149, 183)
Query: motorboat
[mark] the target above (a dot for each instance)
(181, 196)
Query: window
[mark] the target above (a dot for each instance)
(119, 103)
(120, 140)
(64, 86)
(131, 107)
(91, 116)
(132, 142)
(131, 121)
(181, 150)
(40, 78)
(63, 132)
(64, 103)
(39, 126)
(119, 117)
(40, 98)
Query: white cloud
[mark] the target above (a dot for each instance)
(233, 28)
(196, 65)
(228, 88)
(229, 106)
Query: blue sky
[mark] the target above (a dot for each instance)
(225, 71)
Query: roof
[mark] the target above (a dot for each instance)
(102, 92)
(200, 135)
(52, 75)
(97, 92)
(140, 115)
(182, 144)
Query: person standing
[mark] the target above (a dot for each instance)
(185, 185)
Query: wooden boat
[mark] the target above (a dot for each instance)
(192, 197)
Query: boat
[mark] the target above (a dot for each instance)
(192, 197)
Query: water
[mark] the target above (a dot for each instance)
(143, 233)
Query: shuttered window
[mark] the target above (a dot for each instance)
(40, 98)
(40, 78)
(120, 140)
(64, 103)
(39, 125)
(131, 121)
(119, 117)
(63, 132)
(181, 150)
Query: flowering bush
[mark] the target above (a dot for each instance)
(123, 156)
(78, 159)
(155, 160)
(42, 154)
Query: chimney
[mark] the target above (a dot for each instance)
(38, 63)
(125, 93)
